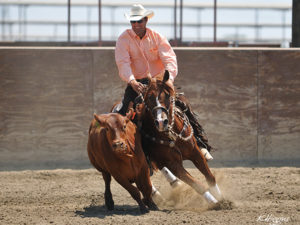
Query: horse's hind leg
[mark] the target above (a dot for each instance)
(184, 175)
(200, 162)
(109, 202)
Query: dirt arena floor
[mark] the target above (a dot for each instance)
(252, 196)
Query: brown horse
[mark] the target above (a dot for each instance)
(114, 149)
(168, 136)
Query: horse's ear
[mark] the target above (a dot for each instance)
(100, 120)
(166, 76)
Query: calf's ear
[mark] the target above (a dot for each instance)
(130, 115)
(140, 111)
(100, 120)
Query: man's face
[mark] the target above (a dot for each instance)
(139, 27)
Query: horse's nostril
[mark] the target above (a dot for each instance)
(166, 121)
(156, 123)
(117, 144)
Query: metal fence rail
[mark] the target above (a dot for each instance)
(19, 27)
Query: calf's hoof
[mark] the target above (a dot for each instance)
(153, 206)
(110, 205)
(144, 210)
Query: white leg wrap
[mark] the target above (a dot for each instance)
(156, 194)
(154, 190)
(209, 198)
(216, 191)
(169, 175)
(206, 154)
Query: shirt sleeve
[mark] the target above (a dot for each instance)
(122, 58)
(167, 56)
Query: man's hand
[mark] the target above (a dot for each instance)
(137, 86)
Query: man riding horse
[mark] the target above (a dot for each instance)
(142, 52)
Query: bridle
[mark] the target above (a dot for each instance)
(161, 108)
(171, 134)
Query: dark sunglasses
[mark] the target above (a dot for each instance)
(139, 21)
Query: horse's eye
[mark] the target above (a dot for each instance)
(124, 127)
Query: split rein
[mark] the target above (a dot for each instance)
(171, 134)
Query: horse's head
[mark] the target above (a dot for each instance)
(158, 99)
(115, 125)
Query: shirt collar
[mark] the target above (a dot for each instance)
(135, 36)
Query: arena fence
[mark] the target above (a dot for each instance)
(248, 101)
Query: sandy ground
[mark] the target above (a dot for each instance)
(252, 196)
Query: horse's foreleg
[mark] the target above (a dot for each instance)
(156, 195)
(171, 178)
(109, 203)
(184, 175)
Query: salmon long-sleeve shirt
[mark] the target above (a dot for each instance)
(137, 57)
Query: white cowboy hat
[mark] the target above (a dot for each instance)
(138, 12)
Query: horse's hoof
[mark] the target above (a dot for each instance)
(222, 205)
